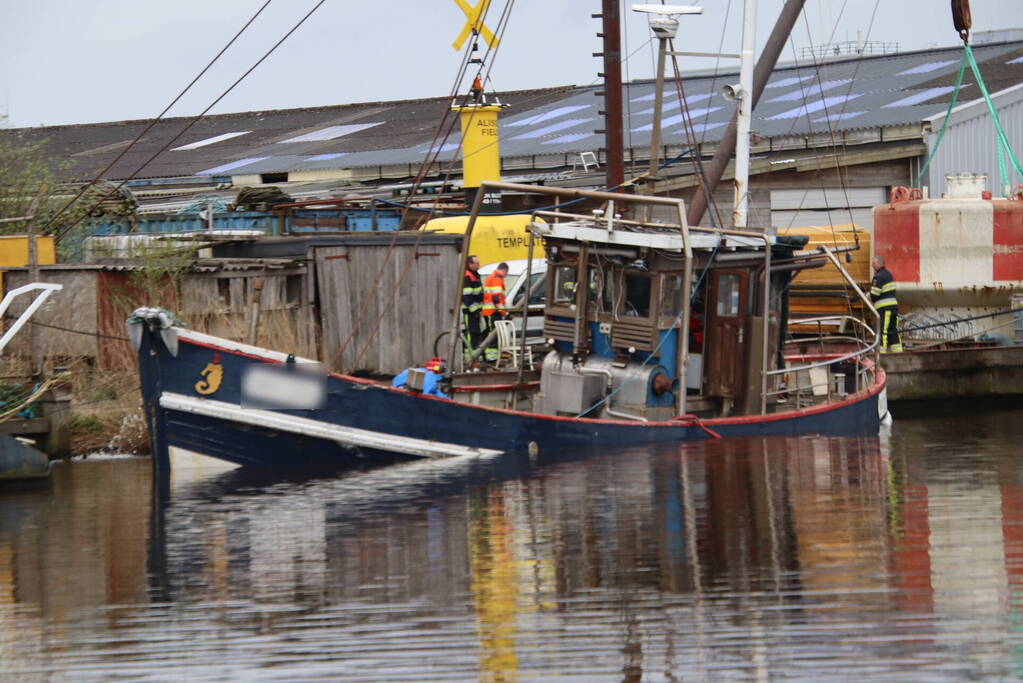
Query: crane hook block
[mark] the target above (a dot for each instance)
(962, 18)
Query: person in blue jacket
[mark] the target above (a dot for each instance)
(431, 383)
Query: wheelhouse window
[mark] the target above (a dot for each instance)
(637, 295)
(671, 296)
(564, 284)
(728, 296)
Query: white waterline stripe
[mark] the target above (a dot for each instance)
(347, 436)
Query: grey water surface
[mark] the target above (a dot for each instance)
(892, 558)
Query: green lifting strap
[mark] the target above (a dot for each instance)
(1004, 148)
(944, 124)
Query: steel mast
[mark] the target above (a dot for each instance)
(614, 136)
(740, 207)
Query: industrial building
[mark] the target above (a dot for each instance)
(832, 135)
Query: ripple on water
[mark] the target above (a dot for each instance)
(806, 559)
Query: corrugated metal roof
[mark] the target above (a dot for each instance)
(849, 94)
(204, 265)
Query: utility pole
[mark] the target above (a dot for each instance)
(765, 65)
(614, 137)
(740, 206)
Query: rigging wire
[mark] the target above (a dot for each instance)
(691, 139)
(488, 62)
(843, 179)
(844, 106)
(154, 121)
(435, 148)
(195, 119)
(717, 69)
(502, 26)
(390, 249)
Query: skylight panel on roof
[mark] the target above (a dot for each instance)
(677, 118)
(562, 139)
(553, 128)
(792, 80)
(814, 107)
(210, 141)
(331, 132)
(926, 68)
(548, 115)
(231, 166)
(922, 96)
(326, 157)
(810, 90)
(650, 96)
(673, 103)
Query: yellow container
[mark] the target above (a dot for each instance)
(481, 154)
(494, 239)
(14, 251)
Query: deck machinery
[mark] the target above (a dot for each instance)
(629, 315)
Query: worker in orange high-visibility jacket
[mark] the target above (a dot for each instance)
(495, 306)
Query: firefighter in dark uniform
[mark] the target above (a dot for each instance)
(882, 294)
(472, 307)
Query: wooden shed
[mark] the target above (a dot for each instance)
(382, 299)
(85, 320)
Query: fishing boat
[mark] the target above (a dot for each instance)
(624, 363)
(654, 330)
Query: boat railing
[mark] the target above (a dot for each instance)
(865, 349)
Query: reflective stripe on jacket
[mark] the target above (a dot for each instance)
(882, 290)
(493, 295)
(472, 293)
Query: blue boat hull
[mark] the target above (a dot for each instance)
(363, 405)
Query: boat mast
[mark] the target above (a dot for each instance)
(740, 206)
(664, 24)
(614, 137)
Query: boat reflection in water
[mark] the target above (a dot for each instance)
(805, 557)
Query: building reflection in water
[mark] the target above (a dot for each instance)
(710, 560)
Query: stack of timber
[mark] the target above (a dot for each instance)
(822, 291)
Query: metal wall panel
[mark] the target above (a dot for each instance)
(862, 217)
(792, 208)
(969, 144)
(827, 198)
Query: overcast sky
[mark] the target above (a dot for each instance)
(80, 61)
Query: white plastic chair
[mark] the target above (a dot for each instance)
(506, 344)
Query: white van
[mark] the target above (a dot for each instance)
(515, 288)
